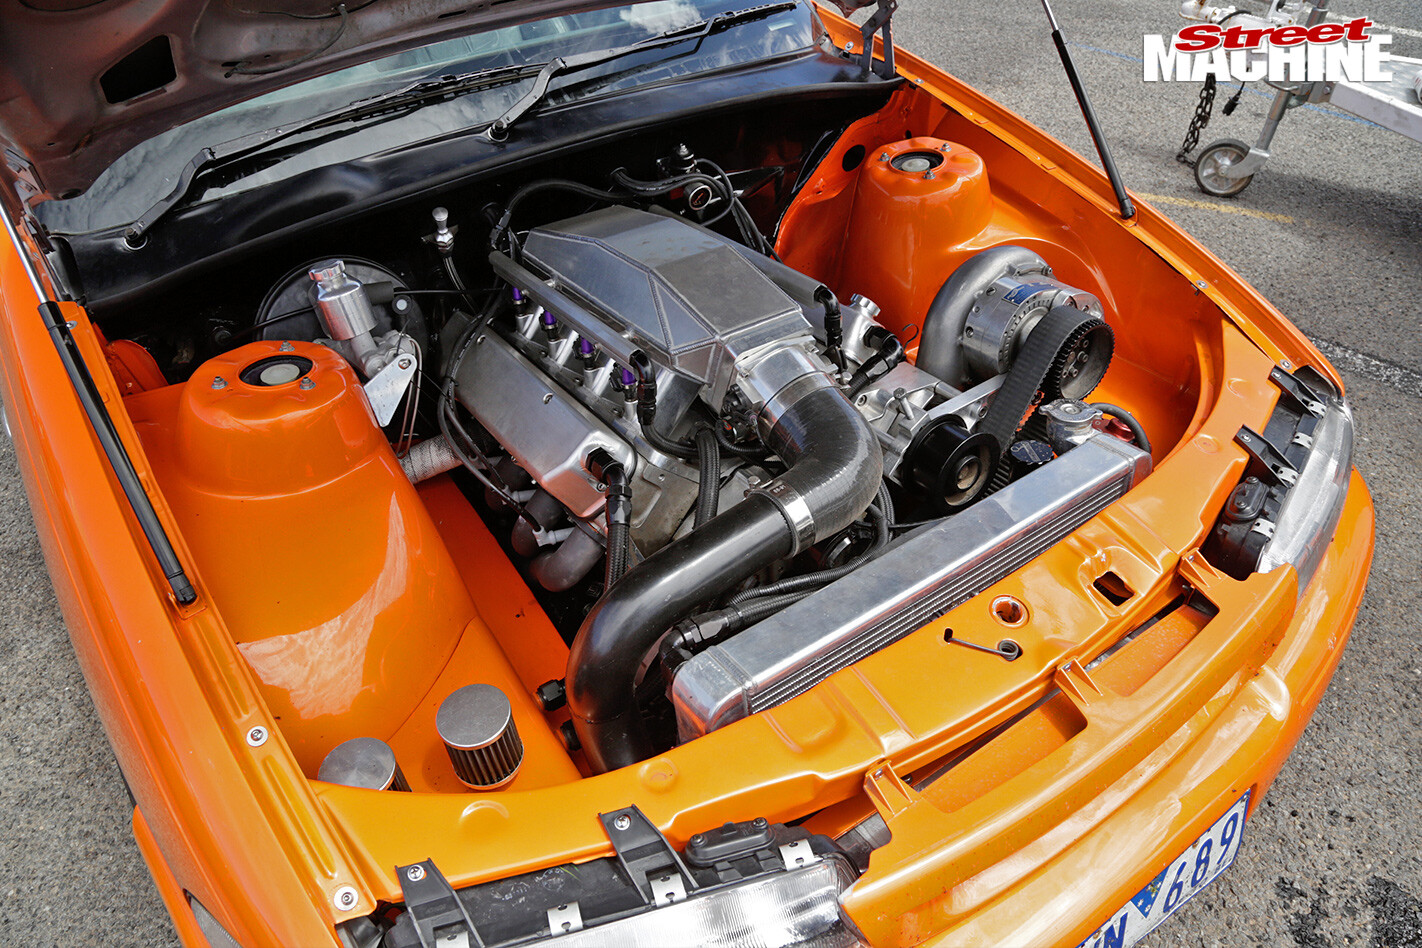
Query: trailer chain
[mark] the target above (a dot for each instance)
(1203, 109)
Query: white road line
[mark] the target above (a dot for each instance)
(1400, 377)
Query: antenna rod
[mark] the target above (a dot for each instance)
(1128, 209)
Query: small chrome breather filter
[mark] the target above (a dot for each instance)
(477, 727)
(363, 762)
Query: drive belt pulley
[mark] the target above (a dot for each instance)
(1065, 355)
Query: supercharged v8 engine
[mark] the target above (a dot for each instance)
(678, 403)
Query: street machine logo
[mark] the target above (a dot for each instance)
(1245, 52)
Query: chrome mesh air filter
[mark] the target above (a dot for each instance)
(363, 762)
(477, 727)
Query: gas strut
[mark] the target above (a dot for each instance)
(1128, 209)
(104, 428)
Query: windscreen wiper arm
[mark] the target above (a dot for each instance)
(498, 130)
(216, 156)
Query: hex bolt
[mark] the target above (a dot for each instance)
(286, 347)
(257, 736)
(218, 382)
(623, 822)
(307, 384)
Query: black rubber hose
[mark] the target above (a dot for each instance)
(835, 467)
(730, 447)
(700, 631)
(708, 495)
(548, 184)
(888, 352)
(834, 326)
(627, 621)
(813, 581)
(1129, 420)
(618, 511)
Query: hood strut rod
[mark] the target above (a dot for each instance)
(103, 425)
(1128, 209)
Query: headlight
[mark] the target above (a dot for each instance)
(799, 907)
(210, 927)
(1310, 512)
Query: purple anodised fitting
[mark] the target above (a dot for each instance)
(629, 381)
(585, 347)
(517, 295)
(549, 320)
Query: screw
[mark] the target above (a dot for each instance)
(406, 362)
(698, 839)
(548, 397)
(622, 822)
(346, 897)
(257, 736)
(1201, 284)
(601, 487)
(929, 176)
(415, 873)
(285, 347)
(884, 156)
(758, 822)
(306, 384)
(1286, 365)
(218, 382)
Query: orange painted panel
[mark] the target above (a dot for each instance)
(328, 571)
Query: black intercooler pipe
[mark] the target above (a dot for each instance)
(835, 467)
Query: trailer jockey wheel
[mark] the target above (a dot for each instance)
(1214, 161)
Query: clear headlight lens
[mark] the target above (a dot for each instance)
(210, 927)
(800, 907)
(1310, 512)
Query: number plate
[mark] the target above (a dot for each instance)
(1190, 872)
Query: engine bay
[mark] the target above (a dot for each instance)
(735, 423)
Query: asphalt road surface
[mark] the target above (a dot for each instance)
(1328, 231)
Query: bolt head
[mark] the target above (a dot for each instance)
(346, 897)
(406, 362)
(307, 384)
(622, 822)
(257, 736)
(286, 347)
(415, 873)
(218, 382)
(698, 839)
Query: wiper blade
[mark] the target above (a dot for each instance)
(498, 130)
(238, 149)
